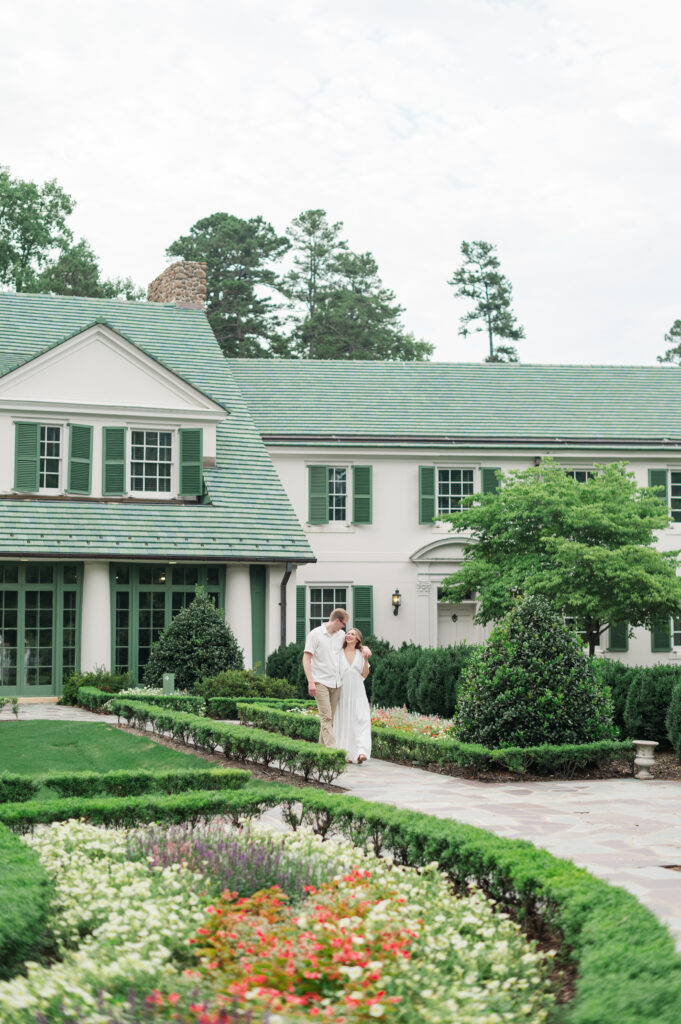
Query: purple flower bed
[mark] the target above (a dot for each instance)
(227, 861)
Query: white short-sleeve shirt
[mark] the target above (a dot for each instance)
(324, 648)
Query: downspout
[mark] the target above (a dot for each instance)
(282, 601)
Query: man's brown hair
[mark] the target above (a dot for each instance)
(339, 613)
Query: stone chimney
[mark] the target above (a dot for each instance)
(183, 284)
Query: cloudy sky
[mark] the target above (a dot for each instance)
(549, 127)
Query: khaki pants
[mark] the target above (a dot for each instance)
(327, 700)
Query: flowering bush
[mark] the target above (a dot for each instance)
(412, 723)
(371, 941)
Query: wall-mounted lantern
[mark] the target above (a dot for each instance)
(397, 601)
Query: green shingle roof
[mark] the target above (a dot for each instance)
(334, 401)
(250, 516)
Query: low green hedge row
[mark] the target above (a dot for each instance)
(25, 896)
(392, 745)
(94, 700)
(17, 788)
(174, 808)
(226, 707)
(237, 742)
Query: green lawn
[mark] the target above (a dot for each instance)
(34, 748)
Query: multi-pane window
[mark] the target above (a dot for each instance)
(452, 486)
(675, 496)
(338, 494)
(151, 454)
(50, 457)
(581, 475)
(676, 632)
(323, 600)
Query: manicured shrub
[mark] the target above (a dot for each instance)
(25, 894)
(287, 663)
(532, 684)
(97, 700)
(391, 675)
(244, 683)
(197, 643)
(673, 720)
(433, 681)
(619, 678)
(226, 707)
(648, 702)
(136, 782)
(16, 788)
(100, 679)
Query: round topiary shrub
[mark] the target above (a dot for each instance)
(390, 676)
(531, 684)
(286, 662)
(433, 681)
(197, 643)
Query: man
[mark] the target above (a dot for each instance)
(320, 661)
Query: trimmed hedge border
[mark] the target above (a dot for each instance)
(25, 895)
(92, 699)
(150, 807)
(238, 742)
(627, 968)
(19, 788)
(393, 745)
(226, 707)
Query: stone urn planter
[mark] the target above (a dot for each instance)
(645, 757)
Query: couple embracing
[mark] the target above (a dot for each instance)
(336, 665)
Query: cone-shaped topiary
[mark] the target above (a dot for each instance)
(532, 683)
(197, 643)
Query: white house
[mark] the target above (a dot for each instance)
(136, 461)
(370, 452)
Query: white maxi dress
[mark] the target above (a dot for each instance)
(352, 721)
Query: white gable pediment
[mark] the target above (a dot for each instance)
(98, 369)
(447, 550)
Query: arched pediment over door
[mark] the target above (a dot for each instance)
(443, 623)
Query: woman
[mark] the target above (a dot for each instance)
(352, 721)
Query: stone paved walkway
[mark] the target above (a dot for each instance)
(625, 831)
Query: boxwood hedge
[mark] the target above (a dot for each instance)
(25, 895)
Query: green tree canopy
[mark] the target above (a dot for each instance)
(242, 281)
(37, 251)
(673, 339)
(586, 547)
(341, 309)
(479, 278)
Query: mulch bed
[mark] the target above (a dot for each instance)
(257, 771)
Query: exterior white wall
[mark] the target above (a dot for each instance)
(395, 551)
(95, 648)
(238, 608)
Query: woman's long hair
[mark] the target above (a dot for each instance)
(359, 641)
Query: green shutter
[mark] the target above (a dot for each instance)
(258, 574)
(618, 639)
(27, 457)
(490, 481)
(80, 459)
(191, 462)
(426, 494)
(361, 494)
(318, 494)
(658, 478)
(661, 637)
(113, 461)
(301, 632)
(363, 609)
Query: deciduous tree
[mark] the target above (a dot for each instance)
(479, 278)
(586, 547)
(673, 339)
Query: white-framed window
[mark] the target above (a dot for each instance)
(50, 457)
(338, 494)
(676, 632)
(151, 461)
(323, 600)
(675, 495)
(452, 486)
(581, 475)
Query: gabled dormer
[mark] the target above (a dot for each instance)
(96, 416)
